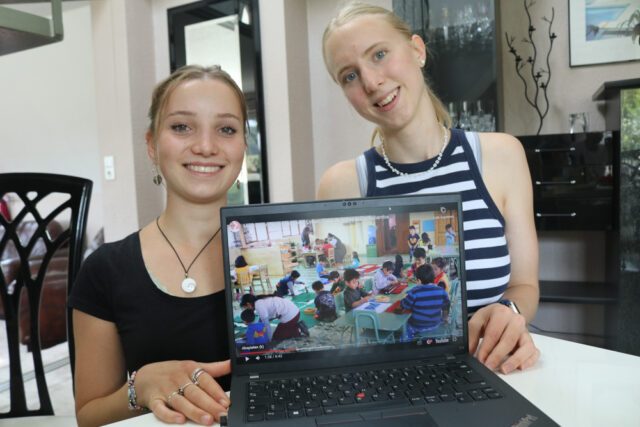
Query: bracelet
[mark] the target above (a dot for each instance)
(131, 391)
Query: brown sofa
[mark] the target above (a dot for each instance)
(54, 291)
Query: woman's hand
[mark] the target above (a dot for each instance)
(506, 342)
(168, 389)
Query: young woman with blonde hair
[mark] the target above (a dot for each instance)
(372, 55)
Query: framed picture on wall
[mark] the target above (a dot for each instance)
(603, 31)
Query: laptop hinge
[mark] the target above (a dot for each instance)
(254, 376)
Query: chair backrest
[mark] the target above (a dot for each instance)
(339, 297)
(454, 289)
(366, 319)
(368, 284)
(65, 196)
(264, 271)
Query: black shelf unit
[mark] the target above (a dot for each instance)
(576, 292)
(573, 180)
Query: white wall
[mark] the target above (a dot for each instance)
(48, 110)
(570, 89)
(339, 133)
(124, 73)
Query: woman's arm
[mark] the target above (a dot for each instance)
(101, 390)
(506, 175)
(340, 181)
(100, 374)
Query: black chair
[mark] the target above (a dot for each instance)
(31, 189)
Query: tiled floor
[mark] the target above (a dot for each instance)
(58, 374)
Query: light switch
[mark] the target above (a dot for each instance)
(109, 168)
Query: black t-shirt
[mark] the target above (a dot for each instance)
(351, 296)
(114, 285)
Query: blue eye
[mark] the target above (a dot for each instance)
(349, 77)
(180, 128)
(380, 54)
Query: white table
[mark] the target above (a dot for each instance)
(44, 421)
(575, 384)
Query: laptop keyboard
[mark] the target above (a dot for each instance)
(312, 396)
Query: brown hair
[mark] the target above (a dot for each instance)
(166, 87)
(355, 9)
(350, 274)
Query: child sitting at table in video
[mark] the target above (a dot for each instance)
(355, 260)
(421, 259)
(285, 285)
(322, 273)
(337, 284)
(257, 332)
(441, 278)
(427, 302)
(384, 278)
(325, 303)
(354, 295)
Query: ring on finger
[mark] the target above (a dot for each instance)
(196, 374)
(173, 394)
(183, 387)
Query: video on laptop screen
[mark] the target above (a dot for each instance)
(339, 280)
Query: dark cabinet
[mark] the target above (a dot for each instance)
(462, 64)
(572, 177)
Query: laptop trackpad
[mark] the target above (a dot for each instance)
(409, 417)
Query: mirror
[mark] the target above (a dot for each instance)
(227, 33)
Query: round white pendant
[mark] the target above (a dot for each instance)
(189, 285)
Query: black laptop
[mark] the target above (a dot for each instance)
(368, 366)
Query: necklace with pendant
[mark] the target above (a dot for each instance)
(433, 166)
(188, 284)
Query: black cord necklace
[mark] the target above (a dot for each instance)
(188, 285)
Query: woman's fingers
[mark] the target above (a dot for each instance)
(160, 409)
(209, 385)
(190, 409)
(177, 391)
(207, 403)
(218, 369)
(508, 340)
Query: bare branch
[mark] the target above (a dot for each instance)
(540, 99)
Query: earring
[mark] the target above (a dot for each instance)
(422, 61)
(157, 178)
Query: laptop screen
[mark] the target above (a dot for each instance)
(320, 279)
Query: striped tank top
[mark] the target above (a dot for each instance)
(487, 261)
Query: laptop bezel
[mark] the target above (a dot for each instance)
(367, 355)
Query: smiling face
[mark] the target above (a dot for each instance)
(200, 145)
(378, 69)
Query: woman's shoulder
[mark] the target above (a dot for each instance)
(500, 146)
(116, 250)
(504, 167)
(339, 181)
